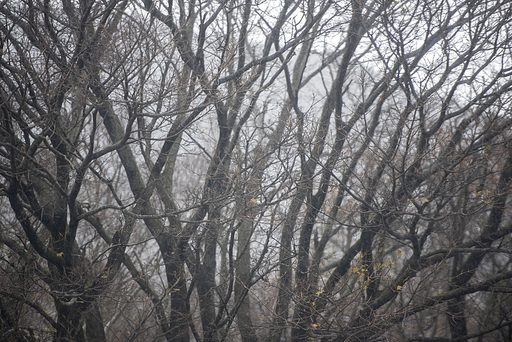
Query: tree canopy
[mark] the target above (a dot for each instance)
(239, 170)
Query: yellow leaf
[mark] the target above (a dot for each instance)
(488, 147)
(399, 287)
(319, 292)
(60, 254)
(254, 201)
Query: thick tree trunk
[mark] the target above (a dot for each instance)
(243, 282)
(94, 329)
(69, 323)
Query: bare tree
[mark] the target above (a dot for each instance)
(255, 171)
